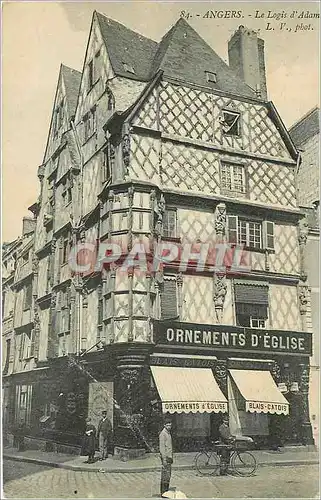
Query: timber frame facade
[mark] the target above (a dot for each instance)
(144, 144)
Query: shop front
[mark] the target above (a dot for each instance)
(260, 378)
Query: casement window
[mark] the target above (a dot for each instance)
(251, 304)
(170, 229)
(66, 192)
(119, 221)
(6, 365)
(169, 300)
(65, 249)
(22, 346)
(230, 121)
(25, 258)
(251, 233)
(89, 123)
(90, 73)
(62, 314)
(58, 117)
(106, 170)
(233, 178)
(93, 70)
(27, 299)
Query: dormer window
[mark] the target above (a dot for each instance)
(210, 77)
(230, 121)
(128, 68)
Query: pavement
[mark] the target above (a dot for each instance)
(288, 456)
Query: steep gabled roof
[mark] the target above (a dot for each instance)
(184, 55)
(125, 46)
(72, 79)
(307, 127)
(181, 54)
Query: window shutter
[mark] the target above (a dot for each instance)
(169, 299)
(32, 343)
(232, 221)
(268, 235)
(22, 346)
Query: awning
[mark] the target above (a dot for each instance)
(188, 390)
(260, 392)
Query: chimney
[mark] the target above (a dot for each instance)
(246, 59)
(28, 225)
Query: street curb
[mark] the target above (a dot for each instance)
(80, 468)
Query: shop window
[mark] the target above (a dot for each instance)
(170, 229)
(169, 302)
(252, 234)
(27, 301)
(230, 121)
(233, 178)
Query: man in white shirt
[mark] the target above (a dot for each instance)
(166, 453)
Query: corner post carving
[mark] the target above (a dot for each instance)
(219, 293)
(303, 236)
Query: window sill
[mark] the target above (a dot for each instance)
(174, 239)
(234, 194)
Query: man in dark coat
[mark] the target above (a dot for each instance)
(90, 441)
(104, 435)
(166, 453)
(226, 438)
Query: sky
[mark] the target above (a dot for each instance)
(38, 36)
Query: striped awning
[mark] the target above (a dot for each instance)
(188, 390)
(260, 392)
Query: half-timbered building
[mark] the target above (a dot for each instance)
(165, 144)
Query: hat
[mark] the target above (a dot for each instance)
(104, 412)
(167, 420)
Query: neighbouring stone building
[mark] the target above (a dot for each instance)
(306, 136)
(164, 143)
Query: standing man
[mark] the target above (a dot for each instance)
(104, 434)
(226, 438)
(90, 441)
(166, 453)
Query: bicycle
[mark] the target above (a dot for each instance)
(242, 462)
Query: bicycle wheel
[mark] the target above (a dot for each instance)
(244, 463)
(207, 463)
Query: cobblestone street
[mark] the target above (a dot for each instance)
(23, 480)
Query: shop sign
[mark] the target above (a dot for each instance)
(201, 406)
(232, 338)
(263, 407)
